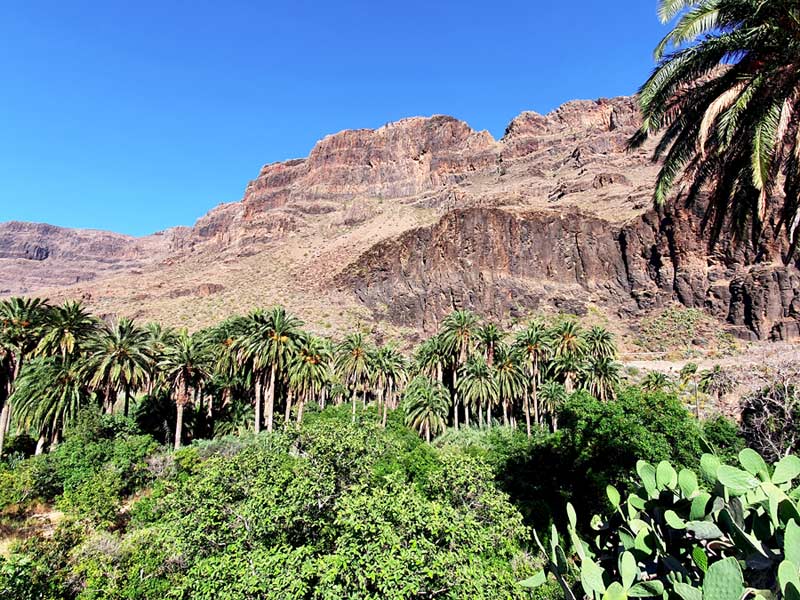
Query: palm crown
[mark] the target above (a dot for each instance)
(726, 99)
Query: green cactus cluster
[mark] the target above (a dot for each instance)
(727, 533)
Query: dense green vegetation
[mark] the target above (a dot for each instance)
(316, 468)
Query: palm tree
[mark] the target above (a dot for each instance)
(458, 336)
(230, 374)
(388, 374)
(21, 321)
(268, 341)
(717, 381)
(159, 338)
(553, 396)
(510, 379)
(600, 343)
(49, 394)
(431, 358)
(477, 386)
(533, 345)
(66, 329)
(309, 369)
(656, 381)
(426, 403)
(688, 374)
(601, 377)
(726, 99)
(568, 339)
(569, 368)
(118, 360)
(186, 364)
(489, 336)
(352, 364)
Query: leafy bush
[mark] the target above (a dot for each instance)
(334, 510)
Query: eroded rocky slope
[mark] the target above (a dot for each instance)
(406, 222)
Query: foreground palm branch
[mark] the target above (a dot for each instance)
(726, 100)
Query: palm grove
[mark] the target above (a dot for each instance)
(262, 370)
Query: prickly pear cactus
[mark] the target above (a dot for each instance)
(725, 533)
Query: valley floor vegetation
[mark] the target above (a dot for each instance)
(256, 460)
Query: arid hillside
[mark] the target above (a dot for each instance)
(403, 223)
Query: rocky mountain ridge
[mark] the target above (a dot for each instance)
(403, 223)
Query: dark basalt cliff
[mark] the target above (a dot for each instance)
(503, 262)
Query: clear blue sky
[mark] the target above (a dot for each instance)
(139, 115)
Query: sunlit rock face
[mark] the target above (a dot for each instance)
(418, 217)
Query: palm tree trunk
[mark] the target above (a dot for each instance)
(488, 415)
(40, 444)
(271, 398)
(505, 413)
(466, 414)
(534, 396)
(480, 414)
(179, 426)
(287, 415)
(300, 406)
(258, 403)
(5, 414)
(355, 397)
(455, 399)
(5, 417)
(127, 401)
(386, 405)
(527, 407)
(428, 431)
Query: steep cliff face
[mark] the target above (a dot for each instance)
(406, 222)
(36, 255)
(507, 263)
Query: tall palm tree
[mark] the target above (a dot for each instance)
(66, 328)
(600, 343)
(568, 339)
(159, 338)
(569, 368)
(477, 386)
(268, 341)
(21, 322)
(725, 95)
(309, 369)
(510, 379)
(430, 359)
(118, 360)
(601, 377)
(533, 345)
(426, 403)
(656, 381)
(553, 396)
(688, 375)
(458, 339)
(388, 374)
(717, 381)
(49, 394)
(489, 336)
(186, 365)
(352, 364)
(230, 374)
